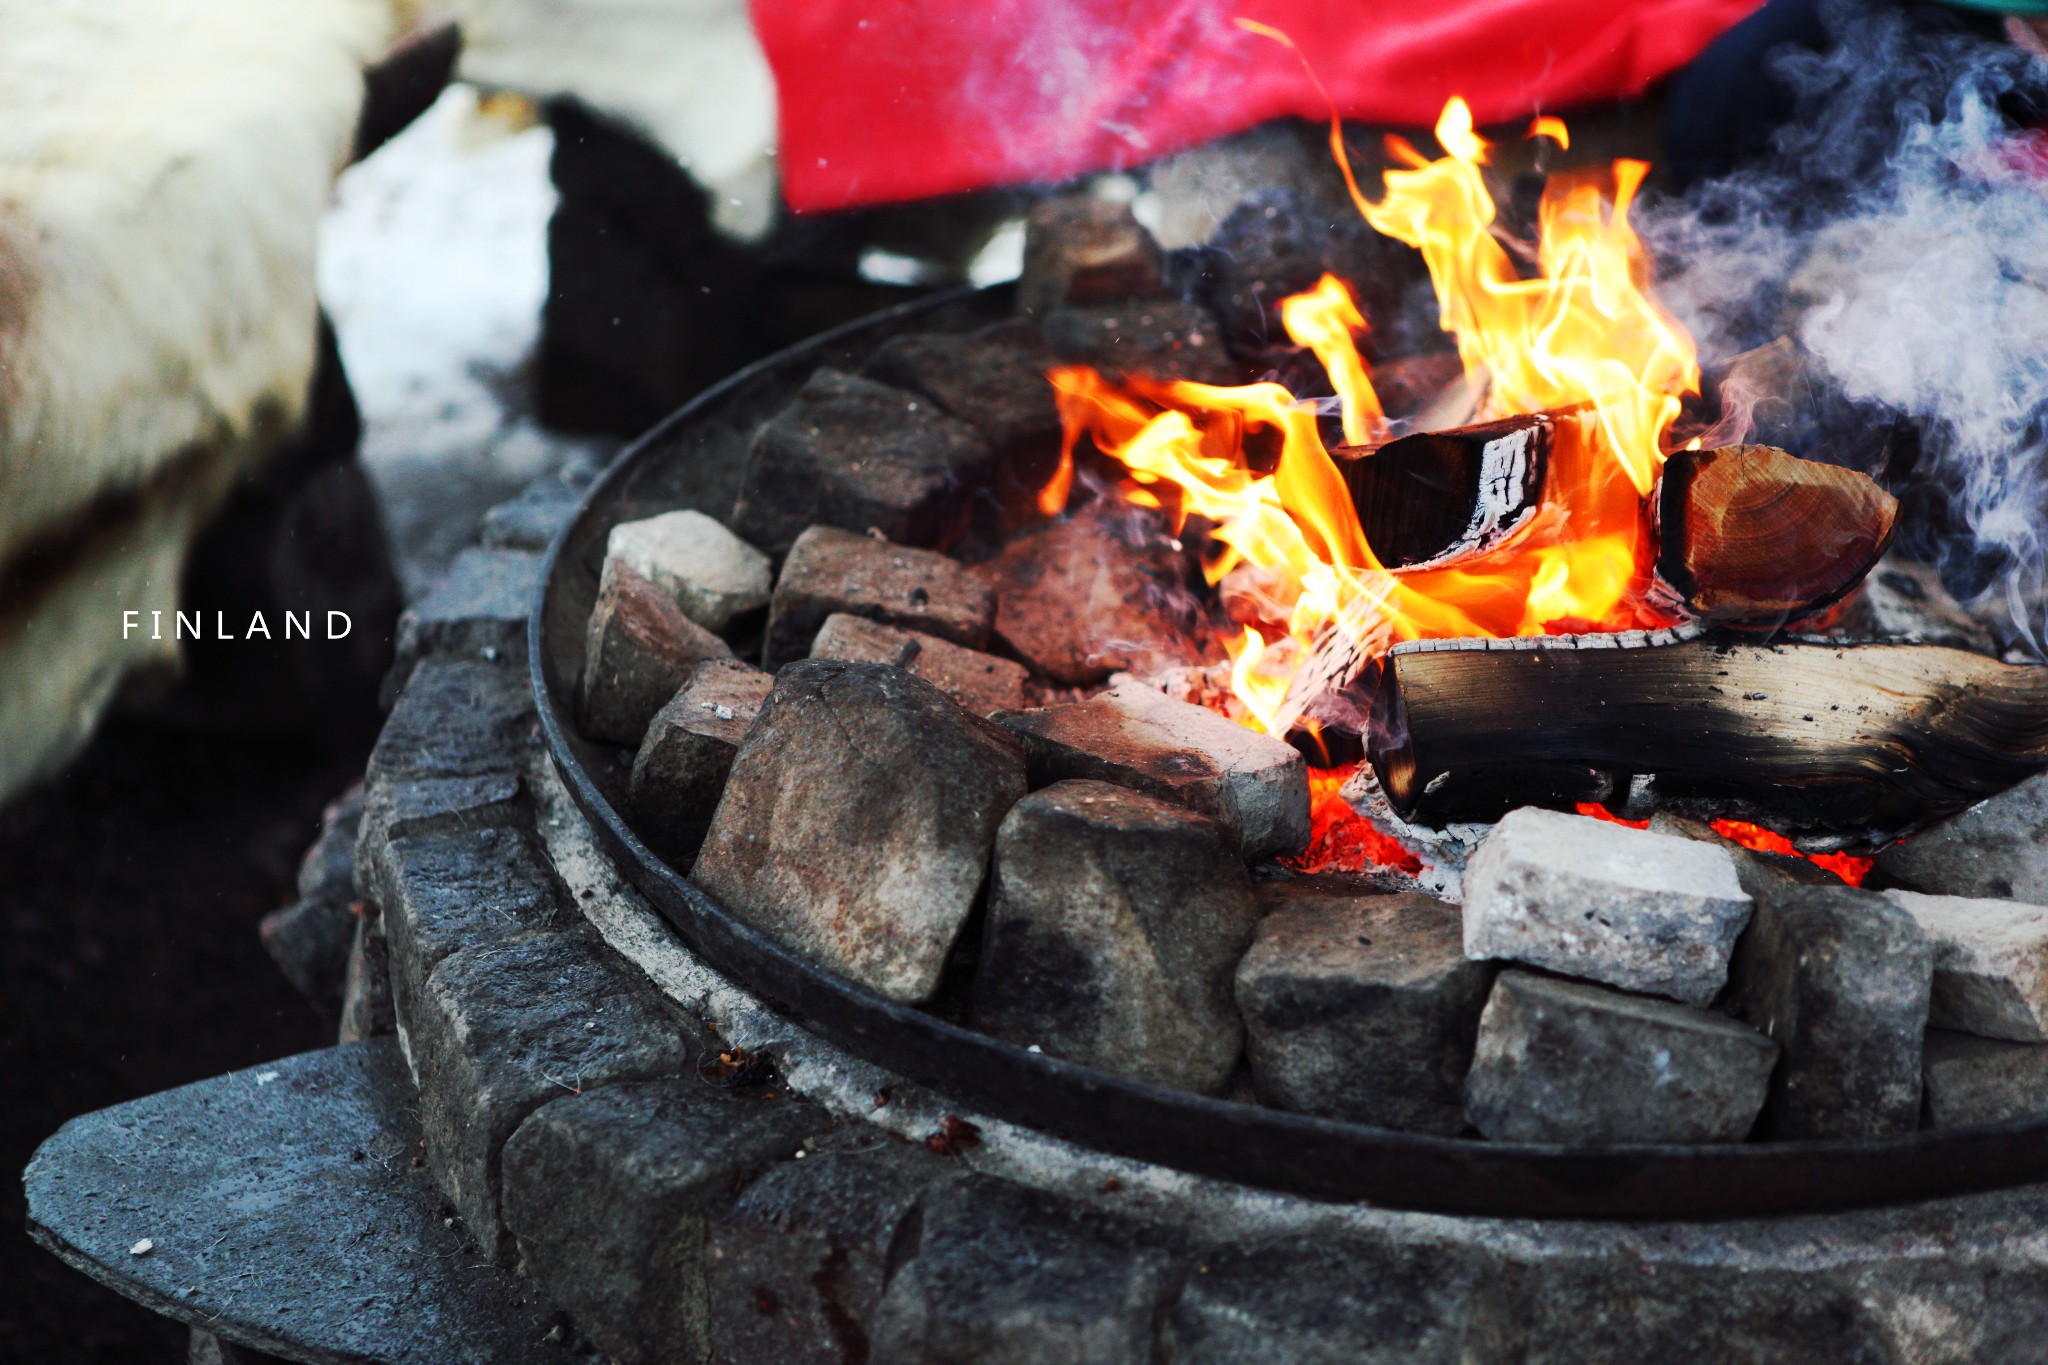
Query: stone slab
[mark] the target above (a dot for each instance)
(284, 1213)
(478, 611)
(455, 718)
(982, 683)
(679, 773)
(1983, 1080)
(1593, 899)
(830, 571)
(1990, 964)
(1996, 848)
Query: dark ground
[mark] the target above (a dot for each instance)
(129, 963)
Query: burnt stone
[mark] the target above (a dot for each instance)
(638, 649)
(1150, 338)
(505, 1027)
(1114, 923)
(1100, 592)
(995, 381)
(1841, 980)
(310, 939)
(830, 571)
(856, 823)
(1079, 249)
(855, 454)
(680, 771)
(1983, 1080)
(1363, 1007)
(607, 1194)
(478, 611)
(1253, 785)
(1996, 848)
(982, 683)
(1567, 1062)
(993, 1273)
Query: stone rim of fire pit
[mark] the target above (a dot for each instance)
(1267, 1148)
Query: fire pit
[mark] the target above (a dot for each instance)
(1552, 625)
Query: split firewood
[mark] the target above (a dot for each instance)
(1752, 534)
(1440, 496)
(1845, 737)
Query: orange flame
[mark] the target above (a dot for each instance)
(1580, 338)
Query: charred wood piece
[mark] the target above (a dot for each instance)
(1441, 496)
(1752, 534)
(1866, 737)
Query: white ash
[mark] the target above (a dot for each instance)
(1444, 852)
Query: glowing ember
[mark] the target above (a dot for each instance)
(1580, 338)
(1344, 840)
(1848, 867)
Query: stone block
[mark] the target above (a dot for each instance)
(980, 682)
(1983, 1080)
(1996, 848)
(1990, 964)
(1589, 898)
(455, 718)
(366, 1005)
(995, 381)
(1079, 249)
(1100, 592)
(607, 1194)
(531, 521)
(857, 822)
(1254, 786)
(713, 575)
(859, 455)
(503, 1028)
(830, 571)
(994, 1273)
(1362, 1007)
(1841, 980)
(1115, 920)
(680, 771)
(440, 893)
(1566, 1062)
(638, 650)
(1152, 338)
(478, 611)
(310, 939)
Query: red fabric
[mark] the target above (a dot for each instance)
(886, 100)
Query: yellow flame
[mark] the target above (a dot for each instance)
(1325, 320)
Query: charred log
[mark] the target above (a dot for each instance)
(1865, 737)
(1440, 496)
(1752, 534)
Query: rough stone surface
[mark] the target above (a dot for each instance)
(795, 1270)
(638, 650)
(1328, 1301)
(478, 611)
(995, 381)
(1841, 980)
(1990, 964)
(531, 521)
(309, 940)
(1982, 1080)
(1079, 249)
(286, 1216)
(1253, 785)
(852, 453)
(998, 1273)
(606, 1193)
(1565, 1062)
(1902, 599)
(1996, 848)
(857, 822)
(505, 1027)
(1100, 592)
(982, 683)
(441, 893)
(830, 571)
(1154, 338)
(1589, 898)
(367, 1009)
(455, 719)
(1114, 922)
(680, 771)
(1363, 1007)
(713, 575)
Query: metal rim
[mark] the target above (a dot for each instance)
(1266, 1148)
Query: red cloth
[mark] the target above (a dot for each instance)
(885, 100)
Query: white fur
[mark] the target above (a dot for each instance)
(163, 167)
(688, 73)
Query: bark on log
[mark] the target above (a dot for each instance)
(1843, 737)
(1752, 534)
(1440, 496)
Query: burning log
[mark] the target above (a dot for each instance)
(1440, 496)
(1876, 737)
(1750, 533)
